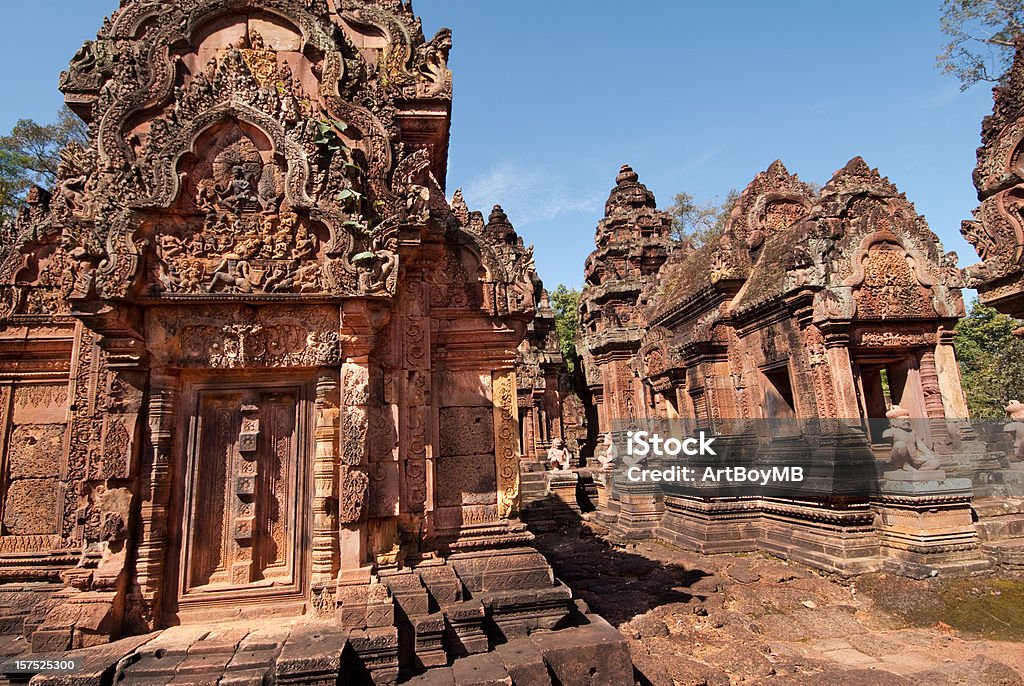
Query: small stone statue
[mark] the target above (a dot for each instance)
(1016, 427)
(610, 455)
(558, 455)
(909, 453)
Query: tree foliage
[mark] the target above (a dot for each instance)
(565, 302)
(981, 36)
(30, 155)
(991, 361)
(698, 222)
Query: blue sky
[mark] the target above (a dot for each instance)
(551, 97)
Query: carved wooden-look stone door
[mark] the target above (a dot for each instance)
(244, 530)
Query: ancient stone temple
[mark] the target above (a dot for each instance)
(253, 363)
(633, 241)
(997, 231)
(838, 306)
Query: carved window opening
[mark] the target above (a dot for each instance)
(778, 400)
(245, 528)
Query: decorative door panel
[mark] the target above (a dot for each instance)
(243, 523)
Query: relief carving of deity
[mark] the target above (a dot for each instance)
(246, 242)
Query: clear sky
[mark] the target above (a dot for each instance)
(552, 96)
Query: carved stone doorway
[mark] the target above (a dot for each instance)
(244, 521)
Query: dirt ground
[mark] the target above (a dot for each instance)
(753, 619)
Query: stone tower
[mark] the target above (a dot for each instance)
(633, 240)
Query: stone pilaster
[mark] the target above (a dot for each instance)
(506, 442)
(156, 495)
(325, 493)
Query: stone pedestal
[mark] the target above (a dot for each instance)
(562, 485)
(710, 525)
(641, 507)
(926, 527)
(607, 507)
(836, 535)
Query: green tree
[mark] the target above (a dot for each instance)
(991, 360)
(981, 37)
(698, 222)
(30, 155)
(565, 302)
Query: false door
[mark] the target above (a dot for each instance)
(243, 527)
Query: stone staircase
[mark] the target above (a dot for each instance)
(538, 507)
(1000, 526)
(549, 499)
(476, 618)
(323, 654)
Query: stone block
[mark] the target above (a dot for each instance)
(481, 670)
(444, 585)
(51, 640)
(524, 662)
(519, 612)
(466, 480)
(245, 660)
(204, 664)
(466, 431)
(250, 677)
(919, 475)
(376, 651)
(502, 570)
(591, 655)
(152, 666)
(218, 642)
(465, 622)
(311, 651)
(429, 640)
(433, 677)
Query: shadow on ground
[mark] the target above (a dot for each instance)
(751, 619)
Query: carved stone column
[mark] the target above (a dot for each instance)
(325, 494)
(930, 385)
(156, 495)
(243, 506)
(506, 441)
(839, 364)
(414, 385)
(353, 478)
(954, 403)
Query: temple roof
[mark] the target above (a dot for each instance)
(772, 201)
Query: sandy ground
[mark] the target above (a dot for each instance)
(752, 619)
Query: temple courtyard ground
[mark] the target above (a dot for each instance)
(696, 619)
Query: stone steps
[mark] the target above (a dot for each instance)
(320, 653)
(1001, 530)
(1007, 554)
(594, 654)
(999, 518)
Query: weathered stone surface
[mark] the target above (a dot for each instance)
(480, 670)
(443, 676)
(591, 655)
(524, 663)
(466, 431)
(312, 650)
(96, 664)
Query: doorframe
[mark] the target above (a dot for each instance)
(294, 599)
